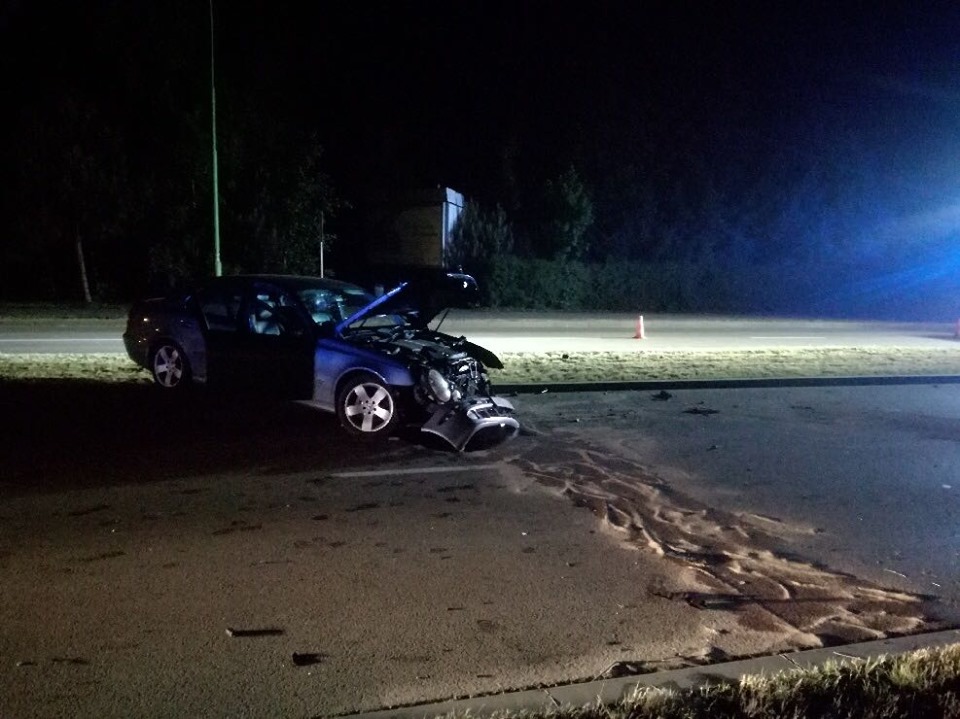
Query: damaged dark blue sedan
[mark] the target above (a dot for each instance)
(374, 361)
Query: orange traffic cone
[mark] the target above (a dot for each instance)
(640, 334)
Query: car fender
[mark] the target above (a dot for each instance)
(153, 322)
(334, 360)
(194, 348)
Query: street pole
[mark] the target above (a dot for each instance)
(217, 267)
(321, 244)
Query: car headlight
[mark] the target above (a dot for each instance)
(439, 386)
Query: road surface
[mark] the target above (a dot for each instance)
(624, 531)
(529, 331)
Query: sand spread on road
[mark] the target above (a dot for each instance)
(726, 562)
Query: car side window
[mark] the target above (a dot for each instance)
(271, 311)
(323, 305)
(220, 309)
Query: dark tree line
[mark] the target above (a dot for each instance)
(838, 189)
(110, 169)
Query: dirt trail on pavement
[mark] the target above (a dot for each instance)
(724, 561)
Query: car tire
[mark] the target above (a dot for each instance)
(366, 407)
(170, 367)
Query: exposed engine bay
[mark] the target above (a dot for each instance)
(452, 386)
(449, 370)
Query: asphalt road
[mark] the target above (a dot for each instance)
(135, 531)
(615, 332)
(871, 473)
(524, 331)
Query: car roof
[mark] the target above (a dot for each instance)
(293, 282)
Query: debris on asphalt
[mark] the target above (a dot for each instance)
(363, 507)
(661, 396)
(26, 663)
(544, 390)
(713, 655)
(305, 659)
(267, 632)
(88, 510)
(701, 410)
(104, 555)
(703, 600)
(486, 625)
(237, 525)
(455, 488)
(713, 447)
(622, 669)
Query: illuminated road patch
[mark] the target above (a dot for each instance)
(413, 470)
(788, 337)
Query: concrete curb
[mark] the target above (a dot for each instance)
(610, 691)
(506, 388)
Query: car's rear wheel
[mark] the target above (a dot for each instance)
(169, 366)
(366, 407)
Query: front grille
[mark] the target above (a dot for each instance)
(487, 411)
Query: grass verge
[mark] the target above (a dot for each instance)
(920, 684)
(41, 312)
(559, 367)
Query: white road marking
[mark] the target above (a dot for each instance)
(414, 470)
(788, 337)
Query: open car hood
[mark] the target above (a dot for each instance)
(421, 299)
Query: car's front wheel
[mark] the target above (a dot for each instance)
(169, 366)
(366, 407)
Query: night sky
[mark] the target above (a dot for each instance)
(438, 90)
(492, 98)
(435, 92)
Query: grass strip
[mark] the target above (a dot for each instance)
(921, 684)
(100, 367)
(560, 367)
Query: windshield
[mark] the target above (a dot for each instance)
(335, 304)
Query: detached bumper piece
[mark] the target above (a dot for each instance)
(472, 417)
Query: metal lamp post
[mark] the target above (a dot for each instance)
(217, 267)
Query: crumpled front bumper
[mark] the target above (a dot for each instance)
(464, 421)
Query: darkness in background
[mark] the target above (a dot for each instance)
(813, 134)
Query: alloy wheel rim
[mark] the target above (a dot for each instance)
(168, 366)
(368, 407)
